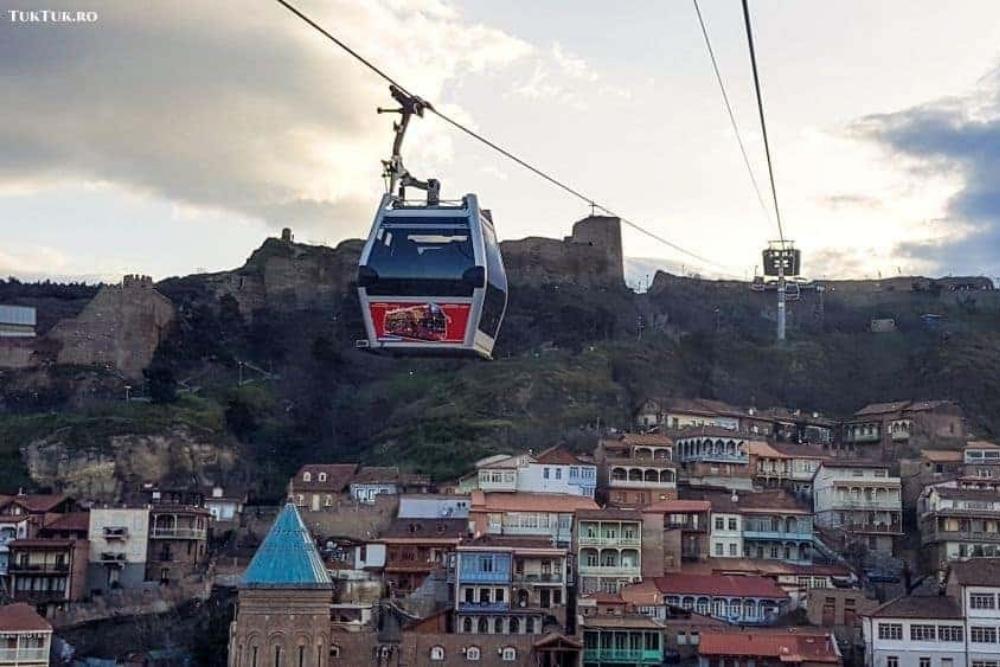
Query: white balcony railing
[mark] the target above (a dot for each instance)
(23, 655)
(180, 533)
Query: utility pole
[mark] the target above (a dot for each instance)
(781, 303)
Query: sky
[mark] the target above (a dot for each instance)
(172, 137)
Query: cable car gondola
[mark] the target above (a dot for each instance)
(431, 278)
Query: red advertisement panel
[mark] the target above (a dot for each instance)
(424, 322)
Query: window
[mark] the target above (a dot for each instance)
(574, 472)
(472, 653)
(950, 633)
(890, 630)
(307, 477)
(322, 477)
(437, 653)
(509, 654)
(467, 625)
(984, 663)
(558, 473)
(982, 601)
(720, 523)
(920, 632)
(891, 661)
(718, 549)
(545, 473)
(732, 549)
(983, 635)
(925, 661)
(732, 523)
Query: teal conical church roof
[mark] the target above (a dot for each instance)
(287, 558)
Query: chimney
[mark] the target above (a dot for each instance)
(735, 497)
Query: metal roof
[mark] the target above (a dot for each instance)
(287, 558)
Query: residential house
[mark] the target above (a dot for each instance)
(178, 538)
(609, 549)
(792, 647)
(734, 599)
(859, 501)
(23, 515)
(316, 486)
(981, 464)
(554, 470)
(416, 547)
(715, 457)
(636, 469)
(17, 321)
(956, 524)
(509, 585)
(621, 640)
(119, 542)
(780, 465)
(48, 572)
(840, 610)
(25, 637)
(776, 525)
(224, 508)
(371, 481)
(531, 514)
(798, 427)
(885, 427)
(933, 466)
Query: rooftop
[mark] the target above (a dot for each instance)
(608, 514)
(919, 606)
(792, 645)
(942, 455)
(557, 455)
(37, 503)
(667, 506)
(621, 622)
(21, 617)
(511, 542)
(953, 493)
(73, 521)
(646, 439)
(981, 444)
(287, 558)
(427, 528)
(708, 432)
(529, 502)
(977, 572)
(338, 476)
(718, 585)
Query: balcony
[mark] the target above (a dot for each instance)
(483, 607)
(778, 535)
(493, 485)
(717, 457)
(43, 568)
(931, 534)
(875, 528)
(538, 578)
(609, 571)
(178, 533)
(40, 597)
(23, 655)
(596, 541)
(641, 484)
(115, 533)
(112, 558)
(479, 577)
(626, 655)
(872, 504)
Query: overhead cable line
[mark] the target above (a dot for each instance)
(506, 153)
(763, 124)
(732, 115)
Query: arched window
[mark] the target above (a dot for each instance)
(472, 654)
(328, 500)
(322, 477)
(515, 626)
(529, 625)
(509, 654)
(483, 626)
(467, 624)
(307, 476)
(498, 626)
(437, 653)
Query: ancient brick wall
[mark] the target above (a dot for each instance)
(591, 256)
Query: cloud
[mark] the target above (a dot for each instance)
(229, 105)
(957, 137)
(848, 201)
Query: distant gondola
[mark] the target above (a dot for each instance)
(431, 278)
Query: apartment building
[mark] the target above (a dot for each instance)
(371, 481)
(715, 457)
(636, 470)
(686, 528)
(526, 514)
(509, 585)
(119, 540)
(956, 524)
(622, 640)
(860, 501)
(178, 539)
(48, 572)
(609, 549)
(885, 427)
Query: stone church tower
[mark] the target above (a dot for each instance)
(283, 607)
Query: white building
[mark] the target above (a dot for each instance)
(956, 524)
(17, 321)
(726, 538)
(118, 538)
(554, 470)
(958, 629)
(223, 509)
(862, 500)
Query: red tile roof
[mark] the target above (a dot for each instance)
(785, 646)
(718, 585)
(667, 506)
(73, 521)
(38, 503)
(557, 456)
(21, 617)
(646, 439)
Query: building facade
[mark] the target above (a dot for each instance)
(609, 549)
(119, 540)
(861, 501)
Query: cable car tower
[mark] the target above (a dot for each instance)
(782, 260)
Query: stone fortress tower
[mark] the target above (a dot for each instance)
(283, 605)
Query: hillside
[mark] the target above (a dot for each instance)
(574, 356)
